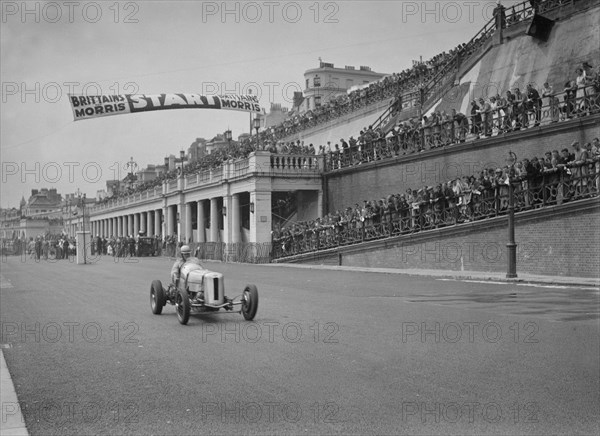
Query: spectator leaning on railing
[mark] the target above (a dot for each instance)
(552, 179)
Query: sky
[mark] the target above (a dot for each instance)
(51, 49)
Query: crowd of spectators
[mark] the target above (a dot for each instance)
(45, 246)
(207, 162)
(413, 135)
(410, 80)
(555, 178)
(492, 116)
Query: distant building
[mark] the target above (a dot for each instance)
(112, 187)
(149, 173)
(10, 220)
(44, 202)
(277, 115)
(217, 142)
(327, 82)
(197, 149)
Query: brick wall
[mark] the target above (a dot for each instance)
(560, 240)
(370, 181)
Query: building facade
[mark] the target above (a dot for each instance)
(327, 82)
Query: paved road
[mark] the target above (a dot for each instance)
(330, 352)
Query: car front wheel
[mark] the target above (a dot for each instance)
(250, 302)
(157, 297)
(182, 305)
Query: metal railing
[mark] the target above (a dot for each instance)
(512, 117)
(438, 209)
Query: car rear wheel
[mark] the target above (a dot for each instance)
(182, 304)
(250, 302)
(157, 297)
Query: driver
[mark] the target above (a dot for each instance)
(186, 252)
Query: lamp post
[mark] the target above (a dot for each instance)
(131, 165)
(182, 159)
(81, 203)
(256, 122)
(68, 218)
(511, 246)
(227, 136)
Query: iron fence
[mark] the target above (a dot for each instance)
(506, 118)
(547, 187)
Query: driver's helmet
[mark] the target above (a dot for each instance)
(186, 252)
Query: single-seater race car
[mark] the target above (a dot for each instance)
(202, 291)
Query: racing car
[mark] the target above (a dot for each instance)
(202, 291)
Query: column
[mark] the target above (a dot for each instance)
(136, 224)
(149, 224)
(214, 220)
(189, 232)
(170, 220)
(157, 222)
(260, 220)
(235, 219)
(201, 222)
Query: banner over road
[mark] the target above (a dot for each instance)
(94, 106)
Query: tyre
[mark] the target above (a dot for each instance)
(182, 305)
(157, 297)
(250, 302)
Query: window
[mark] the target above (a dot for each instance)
(317, 81)
(306, 83)
(317, 101)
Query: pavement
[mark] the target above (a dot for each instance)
(12, 422)
(460, 275)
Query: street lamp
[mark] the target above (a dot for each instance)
(182, 159)
(511, 246)
(81, 203)
(68, 217)
(227, 136)
(132, 165)
(256, 122)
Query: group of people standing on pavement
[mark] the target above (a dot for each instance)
(62, 246)
(46, 246)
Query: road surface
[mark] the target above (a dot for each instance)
(330, 352)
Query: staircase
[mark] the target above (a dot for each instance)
(435, 87)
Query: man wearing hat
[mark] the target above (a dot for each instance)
(185, 253)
